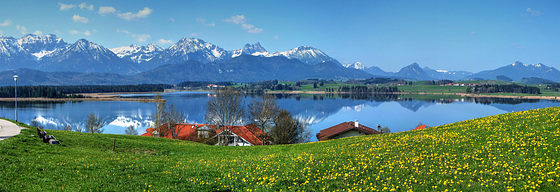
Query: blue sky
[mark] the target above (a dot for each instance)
(447, 34)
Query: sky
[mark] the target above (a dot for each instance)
(448, 34)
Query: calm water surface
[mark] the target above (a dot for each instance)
(321, 111)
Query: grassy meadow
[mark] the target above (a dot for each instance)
(509, 152)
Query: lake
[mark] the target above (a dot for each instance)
(321, 111)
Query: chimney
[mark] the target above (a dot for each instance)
(357, 124)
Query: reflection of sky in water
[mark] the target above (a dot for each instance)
(397, 115)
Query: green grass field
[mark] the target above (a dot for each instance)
(515, 151)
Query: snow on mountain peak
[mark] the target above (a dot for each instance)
(137, 54)
(356, 65)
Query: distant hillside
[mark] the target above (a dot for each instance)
(246, 68)
(519, 70)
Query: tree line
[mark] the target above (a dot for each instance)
(553, 86)
(72, 91)
(510, 88)
(34, 92)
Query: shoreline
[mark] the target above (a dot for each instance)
(116, 96)
(425, 93)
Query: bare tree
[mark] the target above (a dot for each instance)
(131, 130)
(172, 117)
(157, 117)
(225, 110)
(262, 113)
(288, 130)
(94, 124)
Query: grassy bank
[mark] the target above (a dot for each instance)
(516, 151)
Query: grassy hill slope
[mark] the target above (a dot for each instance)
(516, 151)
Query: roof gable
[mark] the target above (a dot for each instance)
(344, 127)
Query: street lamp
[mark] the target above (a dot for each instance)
(15, 79)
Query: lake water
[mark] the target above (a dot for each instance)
(322, 111)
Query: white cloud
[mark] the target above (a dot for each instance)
(38, 32)
(65, 6)
(141, 14)
(276, 37)
(251, 28)
(472, 32)
(164, 42)
(6, 23)
(141, 37)
(21, 29)
(106, 10)
(172, 20)
(203, 22)
(123, 31)
(236, 19)
(80, 19)
(73, 32)
(138, 37)
(86, 6)
(241, 20)
(76, 32)
(533, 12)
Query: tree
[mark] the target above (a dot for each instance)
(67, 127)
(288, 130)
(158, 116)
(94, 124)
(172, 117)
(385, 130)
(225, 110)
(131, 130)
(262, 113)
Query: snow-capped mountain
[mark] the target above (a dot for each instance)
(138, 54)
(518, 70)
(12, 55)
(445, 74)
(85, 56)
(190, 49)
(307, 55)
(41, 46)
(356, 65)
(254, 49)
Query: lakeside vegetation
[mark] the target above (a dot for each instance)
(509, 152)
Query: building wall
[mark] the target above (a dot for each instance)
(350, 133)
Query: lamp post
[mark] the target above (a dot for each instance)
(15, 79)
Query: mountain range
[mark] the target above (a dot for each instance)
(516, 72)
(52, 61)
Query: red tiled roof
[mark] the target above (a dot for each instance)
(248, 132)
(188, 131)
(149, 132)
(343, 127)
(420, 127)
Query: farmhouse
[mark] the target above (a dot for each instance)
(246, 135)
(346, 129)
